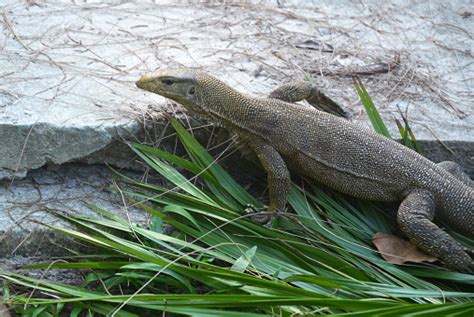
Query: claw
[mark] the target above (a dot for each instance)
(263, 216)
(257, 216)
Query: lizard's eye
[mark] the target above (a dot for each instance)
(167, 81)
(191, 91)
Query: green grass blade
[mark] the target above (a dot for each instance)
(206, 161)
(372, 113)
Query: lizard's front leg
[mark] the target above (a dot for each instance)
(415, 217)
(302, 90)
(278, 178)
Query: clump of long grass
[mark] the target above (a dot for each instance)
(317, 260)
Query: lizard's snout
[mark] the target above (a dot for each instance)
(142, 82)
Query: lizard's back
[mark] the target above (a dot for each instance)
(350, 157)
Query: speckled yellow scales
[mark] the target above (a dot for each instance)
(334, 151)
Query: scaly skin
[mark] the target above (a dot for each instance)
(333, 151)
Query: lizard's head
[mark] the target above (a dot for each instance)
(179, 84)
(199, 92)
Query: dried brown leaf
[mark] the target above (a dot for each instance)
(398, 251)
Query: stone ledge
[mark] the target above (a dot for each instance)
(67, 89)
(68, 188)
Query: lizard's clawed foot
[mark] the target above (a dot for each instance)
(468, 266)
(460, 261)
(470, 269)
(257, 216)
(469, 251)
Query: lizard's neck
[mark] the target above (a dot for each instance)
(226, 106)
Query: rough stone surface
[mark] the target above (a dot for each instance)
(67, 73)
(25, 205)
(66, 88)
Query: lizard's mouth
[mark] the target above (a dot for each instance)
(151, 84)
(155, 84)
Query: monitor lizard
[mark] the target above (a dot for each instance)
(334, 151)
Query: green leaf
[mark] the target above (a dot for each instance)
(319, 260)
(372, 113)
(182, 212)
(241, 264)
(156, 224)
(206, 161)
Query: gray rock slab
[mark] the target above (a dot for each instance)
(25, 207)
(68, 69)
(67, 73)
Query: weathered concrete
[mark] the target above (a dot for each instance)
(66, 87)
(25, 204)
(67, 75)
